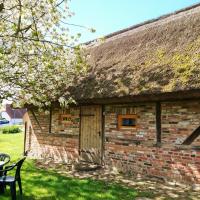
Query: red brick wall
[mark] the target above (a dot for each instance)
(61, 144)
(70, 128)
(166, 163)
(145, 130)
(179, 120)
(130, 150)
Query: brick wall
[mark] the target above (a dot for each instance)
(61, 144)
(144, 132)
(167, 163)
(130, 150)
(68, 128)
(133, 151)
(179, 120)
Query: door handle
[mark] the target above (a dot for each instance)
(99, 133)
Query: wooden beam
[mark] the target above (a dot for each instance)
(143, 98)
(79, 144)
(50, 119)
(103, 134)
(25, 133)
(158, 123)
(192, 137)
(35, 117)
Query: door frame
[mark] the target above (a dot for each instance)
(102, 129)
(103, 134)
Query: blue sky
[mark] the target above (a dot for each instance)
(107, 16)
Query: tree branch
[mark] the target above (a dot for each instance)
(19, 19)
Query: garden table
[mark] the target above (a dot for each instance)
(2, 163)
(4, 159)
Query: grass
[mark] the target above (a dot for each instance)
(40, 184)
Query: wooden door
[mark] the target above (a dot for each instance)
(91, 134)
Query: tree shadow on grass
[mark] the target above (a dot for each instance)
(39, 184)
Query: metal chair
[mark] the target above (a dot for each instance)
(11, 180)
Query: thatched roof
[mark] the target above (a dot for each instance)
(158, 56)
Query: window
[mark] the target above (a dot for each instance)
(127, 121)
(66, 119)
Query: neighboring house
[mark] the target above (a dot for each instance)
(14, 116)
(138, 109)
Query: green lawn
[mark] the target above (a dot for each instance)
(48, 185)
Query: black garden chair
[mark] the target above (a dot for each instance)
(11, 180)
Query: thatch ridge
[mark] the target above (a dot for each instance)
(145, 23)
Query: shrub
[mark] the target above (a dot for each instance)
(10, 129)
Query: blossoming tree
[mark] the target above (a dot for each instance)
(38, 56)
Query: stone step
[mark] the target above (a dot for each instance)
(85, 166)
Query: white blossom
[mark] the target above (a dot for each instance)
(38, 57)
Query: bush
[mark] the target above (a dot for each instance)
(10, 129)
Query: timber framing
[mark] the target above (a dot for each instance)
(102, 133)
(161, 97)
(25, 136)
(50, 118)
(192, 137)
(79, 137)
(36, 119)
(158, 123)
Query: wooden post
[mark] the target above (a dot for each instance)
(36, 119)
(103, 134)
(79, 150)
(192, 137)
(50, 118)
(30, 137)
(158, 123)
(25, 133)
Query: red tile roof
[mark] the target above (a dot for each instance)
(15, 113)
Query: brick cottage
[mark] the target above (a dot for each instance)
(138, 107)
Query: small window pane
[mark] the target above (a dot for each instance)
(128, 122)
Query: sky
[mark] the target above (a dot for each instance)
(107, 16)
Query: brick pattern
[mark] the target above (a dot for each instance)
(130, 150)
(60, 145)
(179, 120)
(70, 128)
(167, 163)
(145, 131)
(59, 148)
(123, 151)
